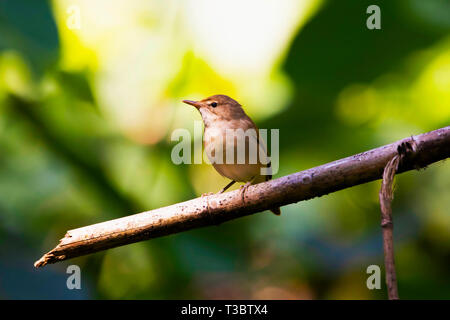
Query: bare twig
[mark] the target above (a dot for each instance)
(215, 209)
(405, 149)
(386, 195)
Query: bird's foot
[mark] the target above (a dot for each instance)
(207, 194)
(244, 188)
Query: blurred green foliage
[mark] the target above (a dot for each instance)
(85, 123)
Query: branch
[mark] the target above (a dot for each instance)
(215, 209)
(386, 196)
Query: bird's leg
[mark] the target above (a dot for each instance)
(226, 187)
(221, 191)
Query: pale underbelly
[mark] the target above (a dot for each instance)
(243, 170)
(238, 172)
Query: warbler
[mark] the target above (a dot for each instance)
(222, 116)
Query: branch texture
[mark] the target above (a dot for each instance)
(215, 209)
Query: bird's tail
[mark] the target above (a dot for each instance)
(276, 211)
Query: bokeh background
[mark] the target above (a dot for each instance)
(89, 96)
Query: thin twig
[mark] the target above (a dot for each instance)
(386, 196)
(404, 150)
(215, 209)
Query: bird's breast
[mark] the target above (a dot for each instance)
(229, 152)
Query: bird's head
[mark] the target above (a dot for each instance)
(217, 107)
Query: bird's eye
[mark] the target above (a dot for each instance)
(214, 104)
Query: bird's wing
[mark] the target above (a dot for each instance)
(262, 153)
(247, 123)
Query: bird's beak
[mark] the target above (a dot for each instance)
(196, 104)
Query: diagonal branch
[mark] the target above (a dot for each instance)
(215, 209)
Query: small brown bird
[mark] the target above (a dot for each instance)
(222, 115)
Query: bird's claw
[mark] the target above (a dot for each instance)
(244, 188)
